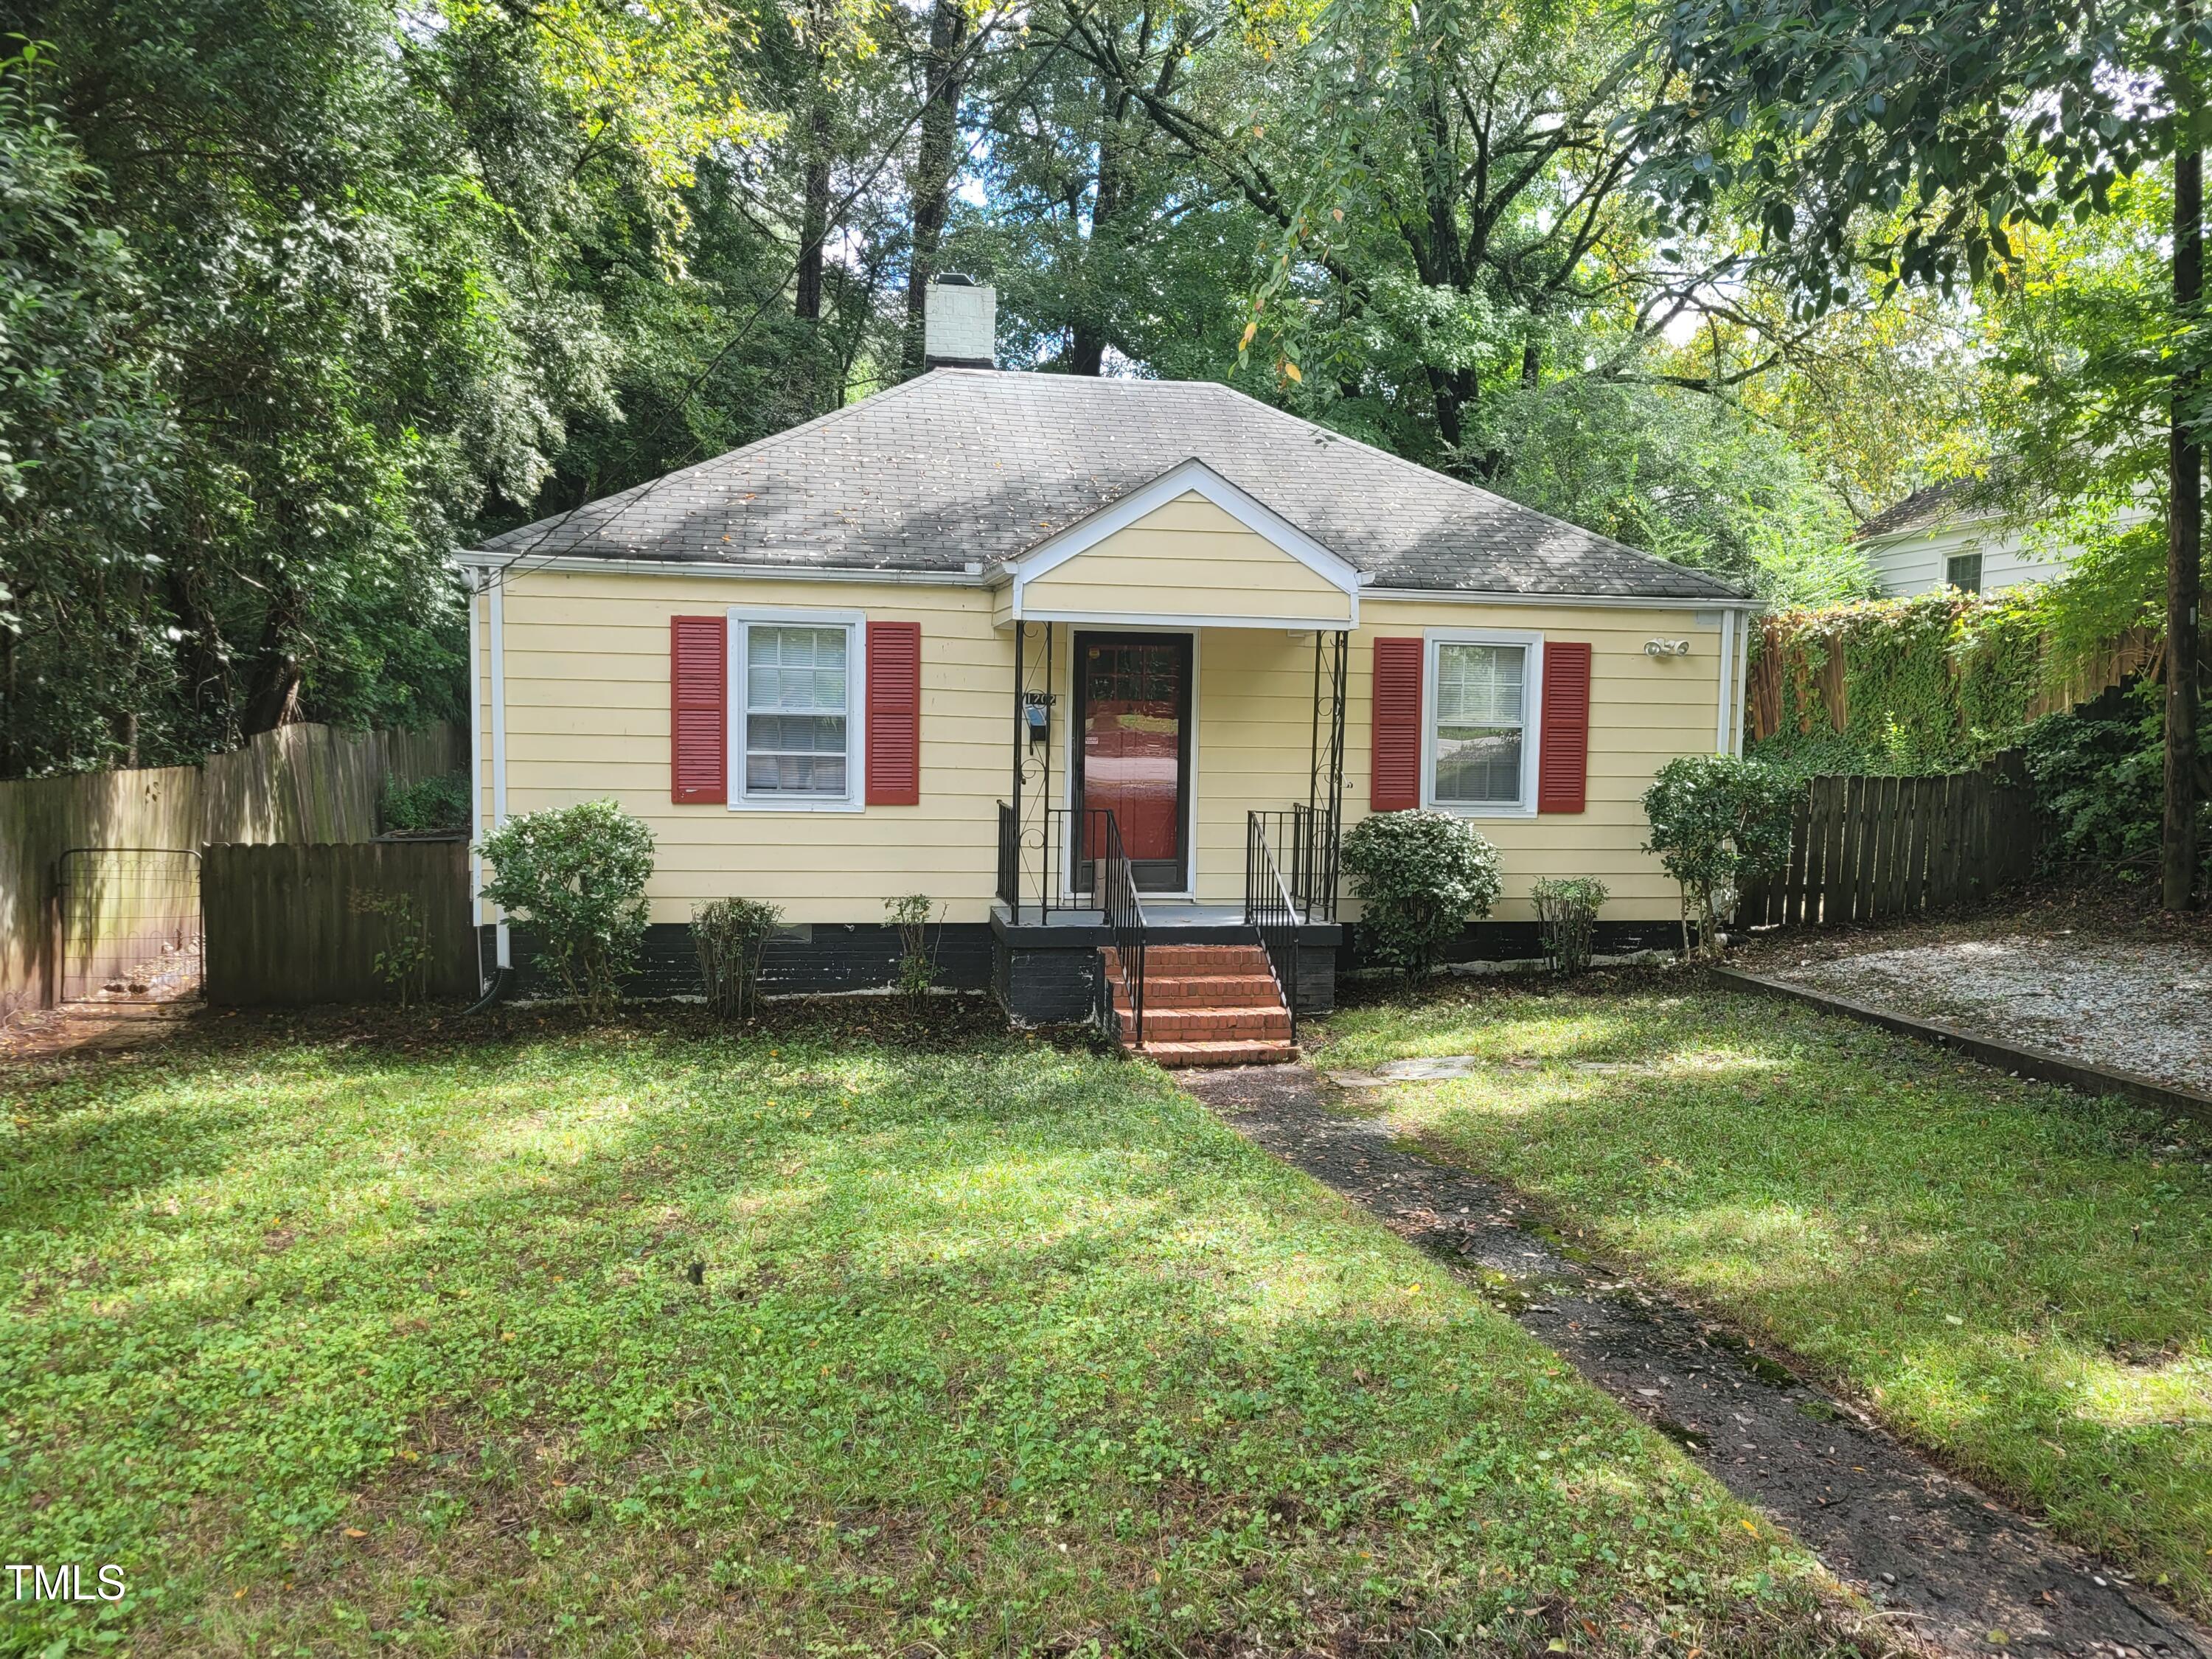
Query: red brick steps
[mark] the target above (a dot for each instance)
(1206, 1005)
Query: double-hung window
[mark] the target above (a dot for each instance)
(1480, 751)
(796, 690)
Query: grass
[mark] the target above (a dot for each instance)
(2011, 1275)
(344, 1337)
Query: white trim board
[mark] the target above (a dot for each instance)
(1192, 477)
(1126, 621)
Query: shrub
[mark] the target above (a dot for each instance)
(2100, 772)
(577, 874)
(731, 936)
(1715, 821)
(912, 915)
(430, 804)
(1566, 918)
(1420, 876)
(404, 963)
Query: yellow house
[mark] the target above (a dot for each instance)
(1100, 666)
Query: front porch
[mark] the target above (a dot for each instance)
(1055, 971)
(1177, 780)
(1197, 755)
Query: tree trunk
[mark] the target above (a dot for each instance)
(931, 197)
(2184, 540)
(273, 698)
(814, 221)
(1086, 349)
(1454, 392)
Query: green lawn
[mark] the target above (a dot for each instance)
(651, 1341)
(2011, 1274)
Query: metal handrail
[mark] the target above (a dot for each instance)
(1271, 910)
(1116, 887)
(1061, 850)
(1307, 856)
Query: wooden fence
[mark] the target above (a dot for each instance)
(298, 783)
(293, 924)
(1869, 848)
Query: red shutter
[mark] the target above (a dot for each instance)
(1563, 759)
(699, 721)
(894, 740)
(1395, 762)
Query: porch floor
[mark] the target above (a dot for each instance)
(1158, 913)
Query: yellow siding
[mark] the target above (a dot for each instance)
(1188, 558)
(1255, 692)
(588, 718)
(586, 663)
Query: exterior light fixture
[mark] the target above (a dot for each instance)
(1666, 647)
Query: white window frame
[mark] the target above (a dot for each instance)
(1532, 715)
(742, 618)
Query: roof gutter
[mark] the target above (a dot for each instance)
(1576, 601)
(477, 558)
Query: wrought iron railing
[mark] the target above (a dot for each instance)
(1050, 866)
(1115, 886)
(1271, 910)
(1305, 841)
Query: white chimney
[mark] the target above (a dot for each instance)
(960, 324)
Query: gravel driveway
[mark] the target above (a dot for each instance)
(2136, 1002)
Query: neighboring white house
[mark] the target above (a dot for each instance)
(1939, 536)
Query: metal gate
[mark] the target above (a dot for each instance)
(127, 923)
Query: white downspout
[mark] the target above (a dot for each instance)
(1742, 681)
(476, 766)
(498, 620)
(1728, 673)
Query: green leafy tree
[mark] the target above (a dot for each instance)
(87, 448)
(1419, 876)
(375, 268)
(1926, 138)
(577, 875)
(1716, 821)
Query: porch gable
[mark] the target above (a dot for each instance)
(1189, 550)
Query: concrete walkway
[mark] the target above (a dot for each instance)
(1967, 1574)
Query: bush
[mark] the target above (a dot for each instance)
(404, 962)
(2099, 772)
(731, 936)
(431, 804)
(1715, 821)
(912, 915)
(1420, 876)
(1566, 918)
(577, 874)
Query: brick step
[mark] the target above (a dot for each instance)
(1187, 1024)
(1235, 1053)
(1216, 990)
(1196, 959)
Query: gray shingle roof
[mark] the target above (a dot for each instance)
(962, 465)
(1933, 504)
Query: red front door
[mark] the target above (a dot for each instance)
(1132, 708)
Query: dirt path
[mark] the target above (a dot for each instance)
(1968, 1574)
